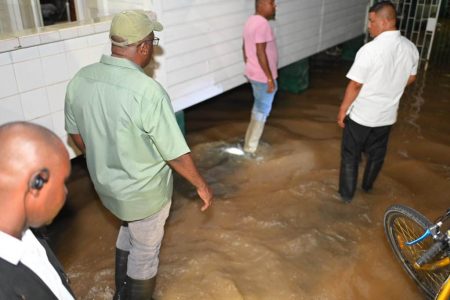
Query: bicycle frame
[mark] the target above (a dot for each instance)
(434, 231)
(444, 292)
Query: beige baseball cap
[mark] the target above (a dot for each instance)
(132, 26)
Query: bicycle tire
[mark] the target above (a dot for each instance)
(404, 224)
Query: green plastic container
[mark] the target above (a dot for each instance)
(294, 78)
(351, 47)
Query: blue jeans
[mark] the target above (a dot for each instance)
(263, 100)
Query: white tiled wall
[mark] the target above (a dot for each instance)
(35, 104)
(11, 109)
(8, 79)
(34, 79)
(200, 51)
(29, 74)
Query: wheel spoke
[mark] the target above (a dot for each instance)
(405, 230)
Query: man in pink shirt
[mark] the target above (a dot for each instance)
(261, 60)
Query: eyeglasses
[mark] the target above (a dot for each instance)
(154, 41)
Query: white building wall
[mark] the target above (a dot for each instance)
(95, 8)
(200, 54)
(203, 39)
(34, 78)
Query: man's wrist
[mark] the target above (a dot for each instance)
(201, 184)
(343, 109)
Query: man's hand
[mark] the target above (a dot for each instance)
(205, 193)
(351, 92)
(184, 165)
(341, 118)
(264, 64)
(78, 140)
(243, 52)
(270, 86)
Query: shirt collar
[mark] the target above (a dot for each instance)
(12, 249)
(120, 62)
(390, 33)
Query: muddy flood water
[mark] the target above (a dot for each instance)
(277, 228)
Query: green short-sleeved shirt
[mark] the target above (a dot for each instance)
(128, 126)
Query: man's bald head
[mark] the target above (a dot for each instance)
(27, 147)
(28, 130)
(34, 166)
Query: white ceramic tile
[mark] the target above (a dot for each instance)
(102, 26)
(59, 26)
(49, 37)
(11, 109)
(107, 49)
(51, 49)
(35, 104)
(58, 122)
(55, 68)
(5, 58)
(8, 81)
(100, 19)
(45, 121)
(78, 59)
(68, 33)
(24, 54)
(86, 29)
(29, 40)
(96, 53)
(8, 44)
(56, 94)
(99, 39)
(75, 44)
(29, 75)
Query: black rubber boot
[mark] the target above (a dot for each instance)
(139, 289)
(371, 173)
(376, 147)
(121, 273)
(347, 181)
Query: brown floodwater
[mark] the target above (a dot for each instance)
(277, 228)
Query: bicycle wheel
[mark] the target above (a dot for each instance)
(403, 224)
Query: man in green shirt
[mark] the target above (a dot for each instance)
(123, 121)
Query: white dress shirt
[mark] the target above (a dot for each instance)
(32, 254)
(383, 66)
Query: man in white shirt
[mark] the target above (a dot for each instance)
(34, 165)
(378, 77)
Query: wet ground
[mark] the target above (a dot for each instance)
(277, 229)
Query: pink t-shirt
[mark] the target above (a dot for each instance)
(257, 30)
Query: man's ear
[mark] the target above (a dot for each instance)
(37, 182)
(39, 179)
(32, 194)
(143, 48)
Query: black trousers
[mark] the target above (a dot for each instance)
(355, 140)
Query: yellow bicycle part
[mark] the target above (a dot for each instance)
(444, 292)
(433, 266)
